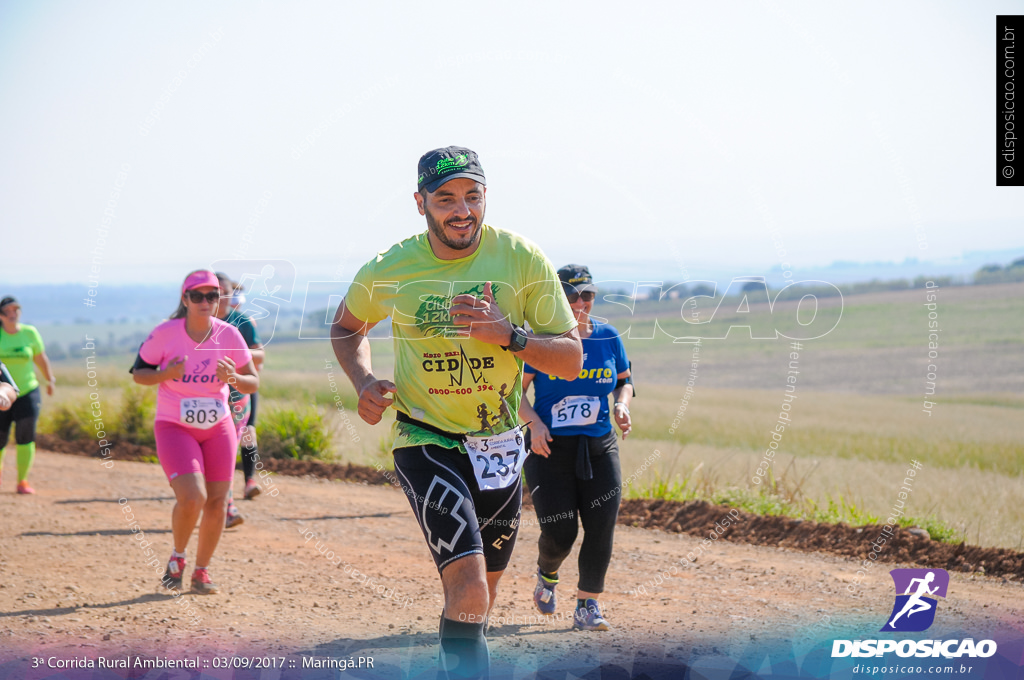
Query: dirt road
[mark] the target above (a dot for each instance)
(338, 569)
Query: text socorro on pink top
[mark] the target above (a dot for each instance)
(169, 340)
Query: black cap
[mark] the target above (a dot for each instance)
(7, 301)
(576, 278)
(440, 165)
(224, 278)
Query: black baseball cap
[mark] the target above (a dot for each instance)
(576, 278)
(440, 165)
(224, 278)
(7, 301)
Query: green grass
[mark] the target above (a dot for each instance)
(67, 422)
(1000, 400)
(300, 433)
(778, 497)
(1007, 457)
(135, 418)
(937, 529)
(969, 432)
(306, 392)
(127, 417)
(311, 357)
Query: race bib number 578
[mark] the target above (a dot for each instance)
(574, 411)
(497, 460)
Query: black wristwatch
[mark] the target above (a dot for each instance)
(518, 342)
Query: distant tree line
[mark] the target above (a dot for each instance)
(755, 290)
(994, 273)
(125, 345)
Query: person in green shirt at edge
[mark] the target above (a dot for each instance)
(458, 296)
(20, 348)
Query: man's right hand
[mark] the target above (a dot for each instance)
(373, 399)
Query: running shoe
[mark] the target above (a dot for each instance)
(252, 489)
(544, 594)
(175, 570)
(24, 488)
(201, 583)
(233, 517)
(589, 617)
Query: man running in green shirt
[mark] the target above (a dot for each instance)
(458, 296)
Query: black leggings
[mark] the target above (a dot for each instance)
(24, 413)
(558, 496)
(249, 455)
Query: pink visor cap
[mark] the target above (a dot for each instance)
(199, 279)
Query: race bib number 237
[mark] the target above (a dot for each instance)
(497, 460)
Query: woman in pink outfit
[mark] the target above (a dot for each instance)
(193, 357)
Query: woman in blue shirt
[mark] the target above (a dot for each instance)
(577, 456)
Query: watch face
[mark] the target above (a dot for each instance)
(518, 339)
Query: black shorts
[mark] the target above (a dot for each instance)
(457, 519)
(27, 405)
(25, 412)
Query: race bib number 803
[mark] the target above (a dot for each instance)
(201, 413)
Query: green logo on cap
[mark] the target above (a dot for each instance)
(446, 165)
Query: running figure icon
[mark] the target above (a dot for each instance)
(916, 603)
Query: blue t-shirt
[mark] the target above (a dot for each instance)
(581, 406)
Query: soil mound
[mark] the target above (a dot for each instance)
(698, 518)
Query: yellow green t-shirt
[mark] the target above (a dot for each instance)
(18, 351)
(459, 385)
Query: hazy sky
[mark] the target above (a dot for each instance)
(689, 133)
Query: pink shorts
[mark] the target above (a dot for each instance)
(185, 450)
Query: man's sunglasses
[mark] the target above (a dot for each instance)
(586, 296)
(196, 297)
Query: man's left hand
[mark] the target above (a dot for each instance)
(481, 318)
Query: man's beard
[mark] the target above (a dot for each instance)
(437, 229)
